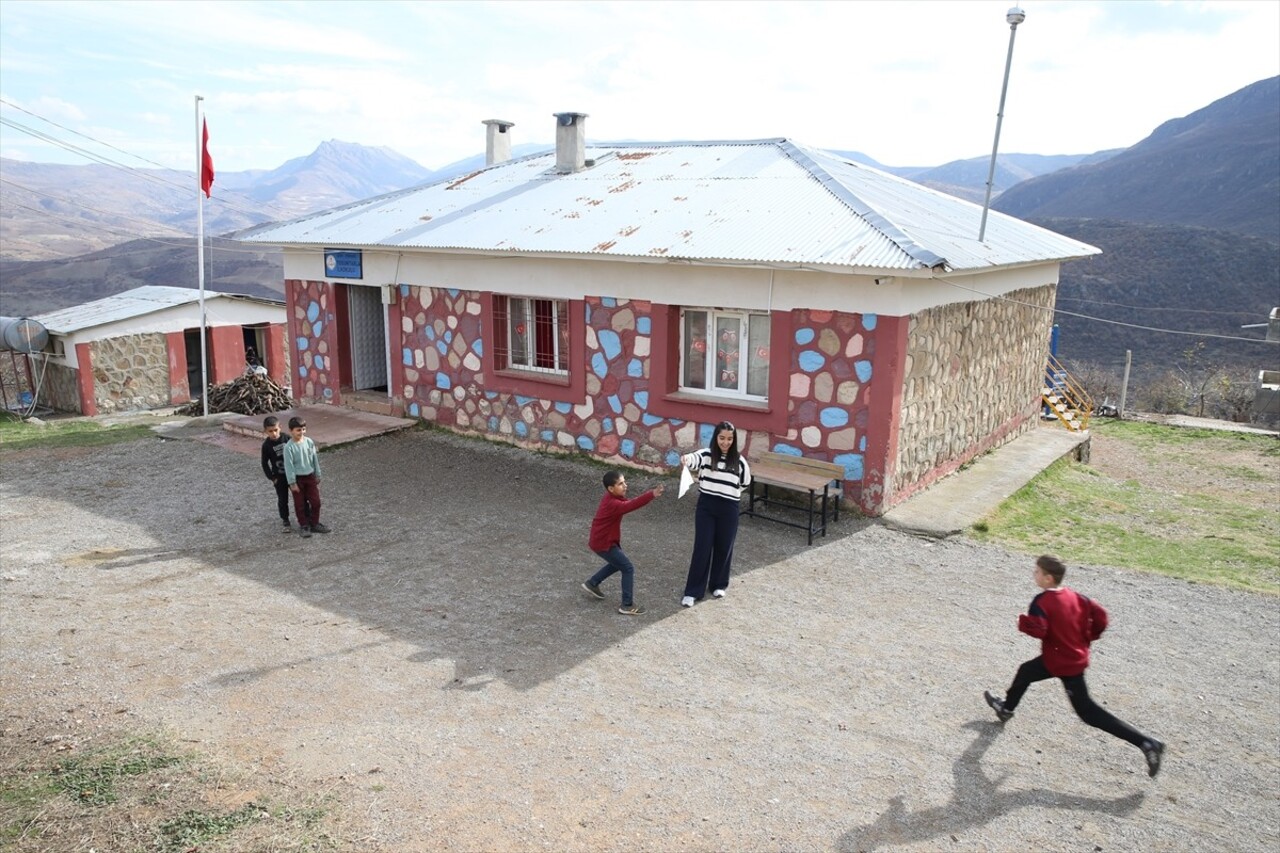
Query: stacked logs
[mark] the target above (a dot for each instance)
(252, 394)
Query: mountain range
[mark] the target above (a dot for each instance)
(1188, 220)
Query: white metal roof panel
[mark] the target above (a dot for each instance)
(763, 202)
(122, 306)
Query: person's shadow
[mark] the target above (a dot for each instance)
(975, 800)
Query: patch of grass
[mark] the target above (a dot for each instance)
(1219, 537)
(191, 829)
(20, 435)
(91, 779)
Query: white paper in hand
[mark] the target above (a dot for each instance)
(686, 480)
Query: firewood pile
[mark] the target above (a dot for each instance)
(253, 394)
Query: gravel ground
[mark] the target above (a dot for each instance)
(435, 655)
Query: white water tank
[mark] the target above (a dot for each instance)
(22, 334)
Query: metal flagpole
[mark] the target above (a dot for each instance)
(1014, 17)
(204, 358)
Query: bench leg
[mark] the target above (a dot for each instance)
(825, 490)
(811, 499)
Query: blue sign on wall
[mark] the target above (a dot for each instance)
(343, 264)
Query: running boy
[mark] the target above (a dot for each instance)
(273, 464)
(302, 470)
(1066, 623)
(606, 539)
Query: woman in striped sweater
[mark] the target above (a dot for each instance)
(722, 475)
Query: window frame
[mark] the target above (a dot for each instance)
(710, 369)
(567, 385)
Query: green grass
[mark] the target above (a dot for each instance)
(20, 435)
(1221, 537)
(92, 778)
(191, 829)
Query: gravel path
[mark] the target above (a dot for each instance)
(435, 658)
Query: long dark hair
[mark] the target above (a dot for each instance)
(731, 459)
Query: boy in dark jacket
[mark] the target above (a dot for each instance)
(273, 464)
(1066, 623)
(606, 539)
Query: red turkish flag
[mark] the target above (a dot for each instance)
(206, 164)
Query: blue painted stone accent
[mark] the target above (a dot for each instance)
(672, 458)
(524, 401)
(650, 420)
(607, 423)
(852, 463)
(628, 448)
(406, 357)
(609, 302)
(448, 336)
(477, 346)
(811, 361)
(787, 449)
(317, 328)
(869, 322)
(833, 416)
(585, 442)
(442, 347)
(547, 435)
(642, 399)
(413, 409)
(564, 408)
(610, 342)
(675, 422)
(404, 290)
(430, 332)
(443, 382)
(327, 393)
(302, 371)
(704, 434)
(635, 368)
(453, 292)
(313, 311)
(615, 404)
(863, 370)
(522, 429)
(598, 365)
(493, 423)
(862, 444)
(588, 315)
(804, 335)
(643, 325)
(491, 395)
(303, 344)
(318, 361)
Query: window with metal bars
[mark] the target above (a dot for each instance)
(533, 334)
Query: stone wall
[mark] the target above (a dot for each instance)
(61, 388)
(131, 372)
(972, 382)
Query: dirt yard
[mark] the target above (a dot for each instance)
(433, 667)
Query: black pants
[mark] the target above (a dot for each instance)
(1085, 708)
(715, 527)
(282, 497)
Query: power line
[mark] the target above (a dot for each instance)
(1158, 307)
(1106, 321)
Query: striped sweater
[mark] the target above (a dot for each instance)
(715, 479)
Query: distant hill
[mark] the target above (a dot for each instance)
(1205, 280)
(52, 211)
(34, 287)
(1218, 167)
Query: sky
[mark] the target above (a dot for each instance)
(906, 83)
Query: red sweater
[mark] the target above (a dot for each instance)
(1066, 623)
(606, 527)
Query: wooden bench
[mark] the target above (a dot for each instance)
(798, 474)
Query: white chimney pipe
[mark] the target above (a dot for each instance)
(497, 142)
(571, 141)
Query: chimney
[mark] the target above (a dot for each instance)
(497, 142)
(571, 142)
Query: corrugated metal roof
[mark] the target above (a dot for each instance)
(123, 306)
(768, 202)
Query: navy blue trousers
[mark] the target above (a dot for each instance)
(715, 526)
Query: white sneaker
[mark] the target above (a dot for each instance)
(719, 593)
(687, 601)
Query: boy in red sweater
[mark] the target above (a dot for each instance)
(606, 539)
(1066, 623)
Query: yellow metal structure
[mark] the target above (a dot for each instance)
(1065, 397)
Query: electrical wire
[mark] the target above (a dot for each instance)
(1056, 310)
